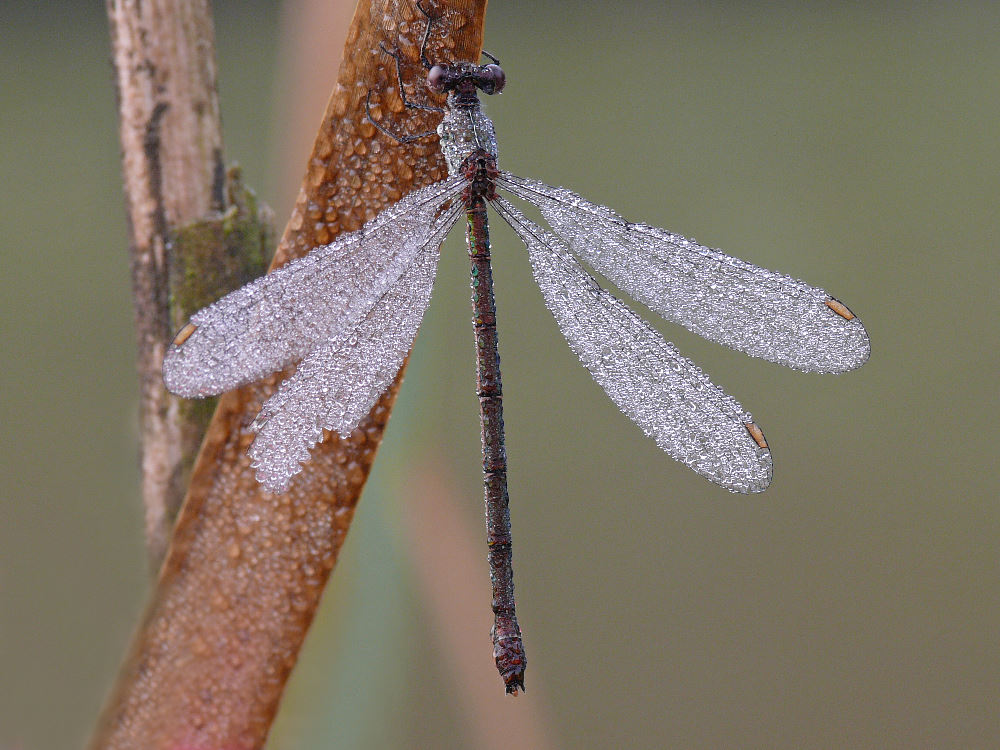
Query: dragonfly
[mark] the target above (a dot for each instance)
(347, 315)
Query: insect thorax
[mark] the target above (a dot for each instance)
(463, 130)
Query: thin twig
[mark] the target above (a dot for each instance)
(172, 174)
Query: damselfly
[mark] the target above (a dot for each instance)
(347, 314)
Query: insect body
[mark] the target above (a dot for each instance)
(348, 313)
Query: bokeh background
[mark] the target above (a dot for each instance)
(855, 604)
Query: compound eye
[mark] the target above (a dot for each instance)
(495, 79)
(436, 79)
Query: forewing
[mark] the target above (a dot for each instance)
(664, 393)
(279, 318)
(339, 381)
(724, 299)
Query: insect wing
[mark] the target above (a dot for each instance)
(663, 392)
(279, 318)
(724, 299)
(340, 380)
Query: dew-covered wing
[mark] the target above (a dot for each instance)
(724, 299)
(281, 317)
(664, 393)
(340, 380)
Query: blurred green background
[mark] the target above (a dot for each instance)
(855, 604)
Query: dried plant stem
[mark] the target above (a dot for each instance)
(163, 55)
